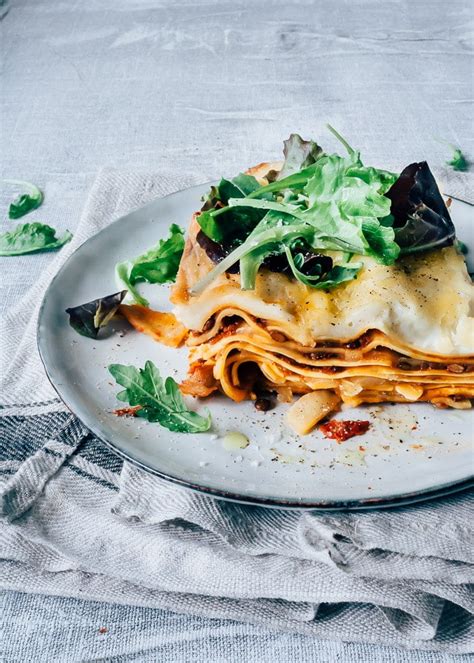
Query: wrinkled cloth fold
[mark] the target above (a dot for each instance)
(77, 521)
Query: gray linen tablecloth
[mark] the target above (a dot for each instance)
(208, 88)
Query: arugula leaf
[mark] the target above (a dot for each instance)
(160, 264)
(157, 265)
(159, 401)
(31, 238)
(25, 202)
(458, 160)
(218, 225)
(382, 241)
(294, 181)
(354, 155)
(211, 226)
(299, 154)
(122, 279)
(239, 186)
(221, 228)
(88, 318)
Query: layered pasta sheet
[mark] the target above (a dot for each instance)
(241, 357)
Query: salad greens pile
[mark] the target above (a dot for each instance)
(318, 202)
(158, 265)
(158, 401)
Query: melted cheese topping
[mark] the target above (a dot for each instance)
(425, 301)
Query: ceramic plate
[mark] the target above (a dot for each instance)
(411, 451)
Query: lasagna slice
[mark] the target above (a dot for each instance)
(399, 332)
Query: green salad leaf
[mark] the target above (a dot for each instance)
(31, 238)
(210, 226)
(458, 160)
(159, 401)
(26, 202)
(157, 265)
(87, 319)
(225, 227)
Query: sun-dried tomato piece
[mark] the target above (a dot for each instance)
(341, 431)
(127, 411)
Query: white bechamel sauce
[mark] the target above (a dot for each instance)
(425, 302)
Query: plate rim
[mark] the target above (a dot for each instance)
(390, 501)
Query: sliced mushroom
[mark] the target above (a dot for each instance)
(412, 392)
(310, 409)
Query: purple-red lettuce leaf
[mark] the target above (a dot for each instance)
(298, 154)
(86, 319)
(421, 219)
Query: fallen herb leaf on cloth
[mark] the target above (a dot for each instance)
(26, 202)
(31, 238)
(458, 160)
(160, 401)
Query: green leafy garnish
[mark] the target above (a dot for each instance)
(226, 227)
(458, 160)
(88, 318)
(158, 401)
(26, 202)
(320, 203)
(335, 203)
(158, 265)
(31, 238)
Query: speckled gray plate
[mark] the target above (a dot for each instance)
(411, 452)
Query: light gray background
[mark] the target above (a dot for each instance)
(212, 87)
